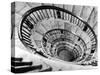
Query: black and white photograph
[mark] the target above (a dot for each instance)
(48, 37)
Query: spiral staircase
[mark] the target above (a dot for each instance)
(64, 32)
